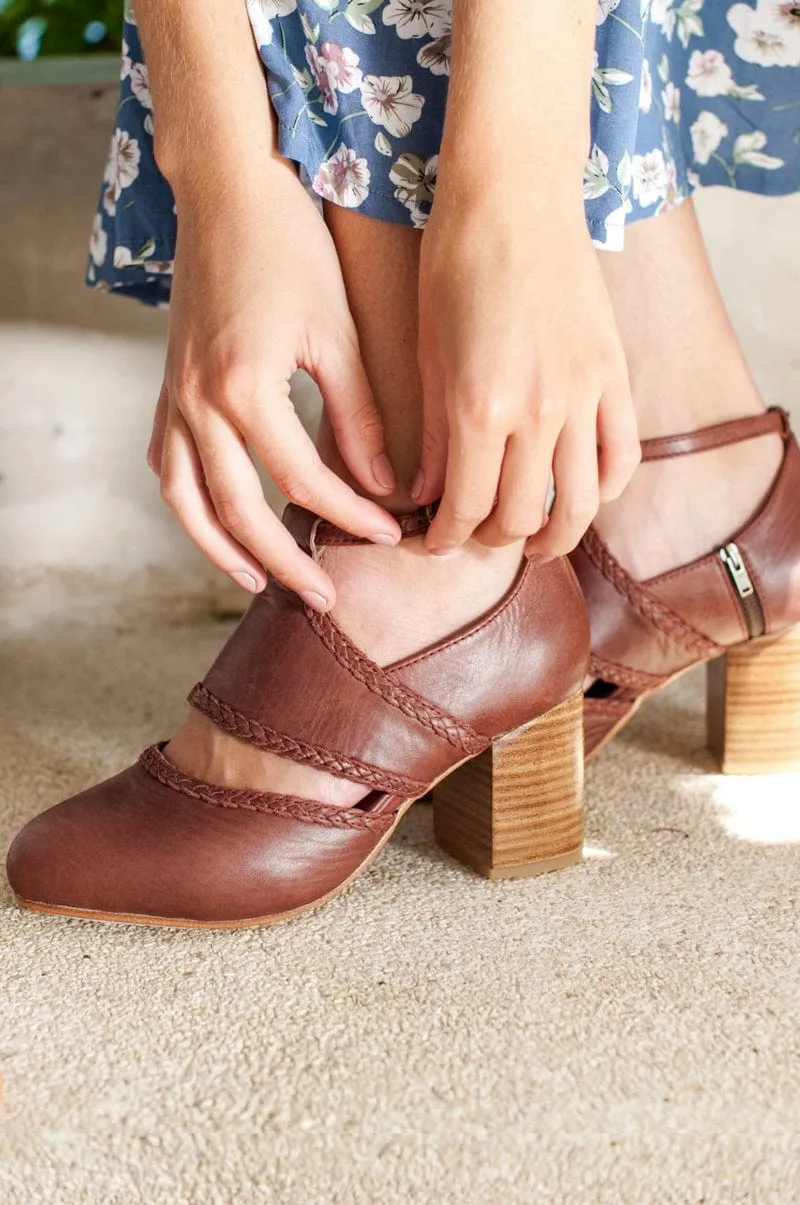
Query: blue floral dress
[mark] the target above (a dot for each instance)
(684, 93)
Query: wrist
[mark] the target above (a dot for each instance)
(513, 194)
(226, 173)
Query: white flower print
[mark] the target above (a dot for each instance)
(125, 65)
(604, 8)
(708, 73)
(782, 13)
(261, 13)
(98, 243)
(418, 18)
(122, 168)
(707, 133)
(140, 85)
(663, 14)
(763, 39)
(646, 89)
(335, 69)
(123, 257)
(343, 179)
(671, 99)
(649, 177)
(341, 63)
(390, 102)
(436, 55)
(748, 149)
(415, 185)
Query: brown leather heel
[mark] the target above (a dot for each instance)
(754, 706)
(157, 846)
(518, 808)
(734, 603)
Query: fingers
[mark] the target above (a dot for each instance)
(429, 482)
(474, 461)
(288, 453)
(619, 448)
(183, 489)
(354, 417)
(155, 447)
(521, 506)
(238, 499)
(577, 491)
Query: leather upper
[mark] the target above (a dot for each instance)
(643, 633)
(156, 843)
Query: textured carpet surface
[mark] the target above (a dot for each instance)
(624, 1031)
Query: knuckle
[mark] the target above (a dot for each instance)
(432, 443)
(548, 409)
(237, 383)
(296, 491)
(631, 456)
(365, 419)
(511, 530)
(231, 514)
(171, 493)
(484, 411)
(466, 516)
(579, 514)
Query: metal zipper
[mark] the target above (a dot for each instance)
(749, 602)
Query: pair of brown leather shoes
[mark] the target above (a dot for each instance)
(490, 718)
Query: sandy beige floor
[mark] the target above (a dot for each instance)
(626, 1031)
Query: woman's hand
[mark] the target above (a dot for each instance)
(258, 293)
(523, 373)
(522, 367)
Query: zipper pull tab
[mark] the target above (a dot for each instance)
(733, 561)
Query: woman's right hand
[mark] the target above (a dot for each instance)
(258, 293)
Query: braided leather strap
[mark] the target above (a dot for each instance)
(620, 675)
(290, 807)
(647, 605)
(262, 737)
(381, 682)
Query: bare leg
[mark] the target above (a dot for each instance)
(391, 601)
(687, 371)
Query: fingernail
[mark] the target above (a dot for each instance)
(384, 537)
(418, 486)
(245, 580)
(383, 472)
(317, 602)
(441, 551)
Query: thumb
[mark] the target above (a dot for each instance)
(355, 419)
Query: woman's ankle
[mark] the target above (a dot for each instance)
(395, 601)
(675, 511)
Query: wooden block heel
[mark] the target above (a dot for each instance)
(517, 809)
(754, 706)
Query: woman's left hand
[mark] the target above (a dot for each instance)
(523, 374)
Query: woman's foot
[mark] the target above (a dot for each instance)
(158, 845)
(677, 510)
(719, 570)
(391, 602)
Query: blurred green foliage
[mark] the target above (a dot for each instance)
(30, 28)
